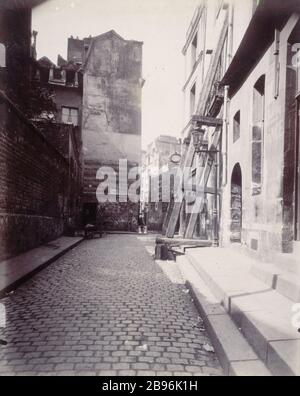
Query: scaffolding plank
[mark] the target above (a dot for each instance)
(207, 121)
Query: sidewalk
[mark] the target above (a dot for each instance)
(17, 269)
(229, 284)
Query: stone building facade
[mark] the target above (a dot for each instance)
(159, 161)
(243, 71)
(263, 136)
(111, 117)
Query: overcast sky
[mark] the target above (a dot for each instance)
(160, 24)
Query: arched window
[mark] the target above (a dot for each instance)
(236, 126)
(258, 118)
(2, 55)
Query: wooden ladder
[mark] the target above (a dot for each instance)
(174, 208)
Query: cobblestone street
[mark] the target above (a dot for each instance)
(105, 308)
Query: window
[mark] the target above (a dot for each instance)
(236, 126)
(193, 99)
(2, 55)
(70, 116)
(194, 50)
(258, 134)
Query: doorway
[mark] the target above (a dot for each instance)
(236, 205)
(90, 213)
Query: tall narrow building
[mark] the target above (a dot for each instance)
(111, 117)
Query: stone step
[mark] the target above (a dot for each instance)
(262, 314)
(283, 282)
(236, 355)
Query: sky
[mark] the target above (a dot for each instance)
(160, 24)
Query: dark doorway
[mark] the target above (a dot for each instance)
(90, 213)
(236, 205)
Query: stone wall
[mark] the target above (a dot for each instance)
(33, 185)
(267, 217)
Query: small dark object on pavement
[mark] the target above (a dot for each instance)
(90, 230)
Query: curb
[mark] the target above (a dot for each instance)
(236, 356)
(14, 285)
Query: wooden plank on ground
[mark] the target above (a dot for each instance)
(182, 242)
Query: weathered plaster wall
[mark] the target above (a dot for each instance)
(111, 119)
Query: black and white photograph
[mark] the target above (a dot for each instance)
(149, 191)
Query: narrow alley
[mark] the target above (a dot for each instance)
(105, 308)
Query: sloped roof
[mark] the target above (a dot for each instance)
(46, 62)
(109, 34)
(61, 61)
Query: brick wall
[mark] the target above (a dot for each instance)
(33, 185)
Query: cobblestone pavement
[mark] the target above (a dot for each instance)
(105, 308)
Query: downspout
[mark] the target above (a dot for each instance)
(230, 35)
(225, 138)
(226, 100)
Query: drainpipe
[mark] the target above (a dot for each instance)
(230, 35)
(216, 203)
(225, 138)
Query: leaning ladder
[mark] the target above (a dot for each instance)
(175, 205)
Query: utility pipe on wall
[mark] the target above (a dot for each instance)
(225, 138)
